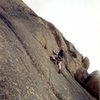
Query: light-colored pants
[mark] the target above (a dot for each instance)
(59, 65)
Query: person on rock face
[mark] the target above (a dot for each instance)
(61, 53)
(60, 59)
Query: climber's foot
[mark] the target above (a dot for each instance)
(59, 71)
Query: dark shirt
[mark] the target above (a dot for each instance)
(61, 53)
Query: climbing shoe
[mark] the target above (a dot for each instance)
(59, 71)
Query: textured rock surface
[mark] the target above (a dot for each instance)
(93, 83)
(86, 63)
(81, 76)
(26, 72)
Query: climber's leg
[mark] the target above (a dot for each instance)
(59, 66)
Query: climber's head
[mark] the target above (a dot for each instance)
(62, 48)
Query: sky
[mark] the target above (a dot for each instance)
(79, 22)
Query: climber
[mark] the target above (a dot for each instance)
(58, 58)
(61, 53)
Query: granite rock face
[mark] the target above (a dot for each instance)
(86, 63)
(81, 76)
(26, 72)
(93, 84)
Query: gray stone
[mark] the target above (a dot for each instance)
(81, 76)
(86, 63)
(93, 83)
(26, 72)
